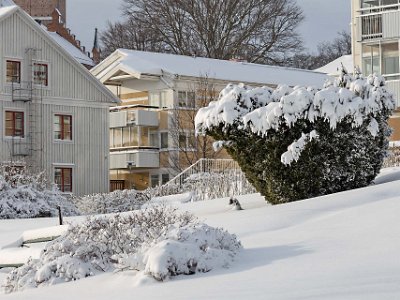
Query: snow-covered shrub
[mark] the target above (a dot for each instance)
(26, 195)
(393, 158)
(159, 241)
(296, 143)
(205, 186)
(114, 202)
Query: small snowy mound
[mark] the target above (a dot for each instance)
(158, 241)
(23, 195)
(114, 202)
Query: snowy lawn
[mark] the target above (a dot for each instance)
(340, 246)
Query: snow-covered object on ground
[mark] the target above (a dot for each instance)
(158, 241)
(23, 195)
(268, 136)
(114, 202)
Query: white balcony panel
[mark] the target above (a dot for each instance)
(137, 159)
(118, 119)
(394, 87)
(147, 118)
(391, 24)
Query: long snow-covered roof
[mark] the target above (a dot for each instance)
(333, 68)
(151, 63)
(71, 49)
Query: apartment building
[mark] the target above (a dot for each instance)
(160, 92)
(54, 115)
(375, 37)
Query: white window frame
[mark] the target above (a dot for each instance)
(58, 141)
(42, 62)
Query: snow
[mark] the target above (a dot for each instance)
(71, 49)
(141, 63)
(340, 246)
(359, 100)
(295, 148)
(333, 68)
(6, 7)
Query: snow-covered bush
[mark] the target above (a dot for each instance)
(158, 241)
(296, 143)
(393, 158)
(114, 202)
(206, 186)
(26, 195)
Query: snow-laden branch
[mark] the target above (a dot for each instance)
(294, 149)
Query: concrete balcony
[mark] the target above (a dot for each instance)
(133, 159)
(125, 118)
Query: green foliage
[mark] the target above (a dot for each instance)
(341, 158)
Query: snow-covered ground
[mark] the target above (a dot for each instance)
(340, 246)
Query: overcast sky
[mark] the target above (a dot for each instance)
(323, 18)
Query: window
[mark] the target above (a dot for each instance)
(154, 180)
(63, 127)
(371, 59)
(164, 178)
(40, 74)
(14, 123)
(154, 139)
(164, 140)
(186, 141)
(158, 99)
(390, 58)
(186, 99)
(13, 72)
(63, 179)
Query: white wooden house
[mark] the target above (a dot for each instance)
(54, 115)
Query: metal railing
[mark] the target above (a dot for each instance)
(205, 165)
(371, 27)
(209, 179)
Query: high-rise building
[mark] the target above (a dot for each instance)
(376, 36)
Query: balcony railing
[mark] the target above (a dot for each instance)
(379, 22)
(371, 27)
(134, 159)
(125, 118)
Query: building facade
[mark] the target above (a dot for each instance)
(152, 132)
(43, 9)
(54, 114)
(376, 38)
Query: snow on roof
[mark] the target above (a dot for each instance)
(71, 49)
(6, 7)
(140, 62)
(333, 68)
(4, 3)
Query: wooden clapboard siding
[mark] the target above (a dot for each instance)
(72, 90)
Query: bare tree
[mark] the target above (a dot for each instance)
(129, 35)
(191, 148)
(326, 52)
(262, 31)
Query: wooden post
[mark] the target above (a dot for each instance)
(60, 218)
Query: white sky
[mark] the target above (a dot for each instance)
(324, 18)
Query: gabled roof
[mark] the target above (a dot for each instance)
(7, 10)
(333, 68)
(139, 63)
